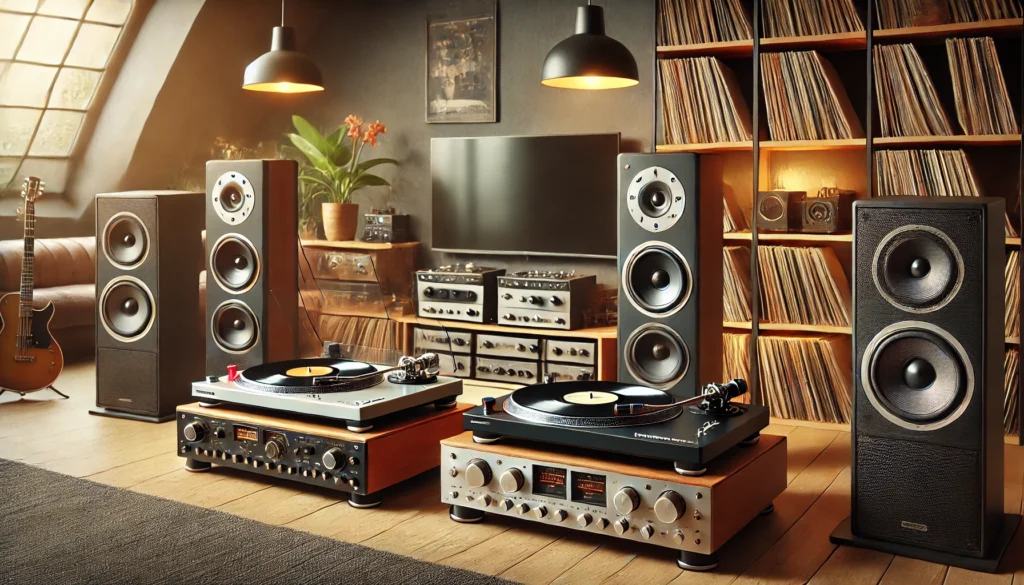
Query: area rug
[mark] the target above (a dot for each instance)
(60, 529)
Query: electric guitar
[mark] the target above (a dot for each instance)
(30, 358)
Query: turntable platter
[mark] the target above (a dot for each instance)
(310, 376)
(588, 404)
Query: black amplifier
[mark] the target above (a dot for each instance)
(384, 227)
(545, 300)
(458, 292)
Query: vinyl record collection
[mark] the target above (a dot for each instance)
(978, 10)
(736, 359)
(701, 102)
(803, 285)
(733, 219)
(1011, 383)
(982, 102)
(792, 18)
(802, 377)
(736, 300)
(1012, 274)
(908, 104)
(925, 172)
(907, 13)
(688, 22)
(805, 98)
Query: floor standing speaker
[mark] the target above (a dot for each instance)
(149, 339)
(670, 264)
(251, 263)
(928, 379)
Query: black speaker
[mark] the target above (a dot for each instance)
(928, 359)
(774, 210)
(823, 215)
(670, 263)
(148, 333)
(251, 263)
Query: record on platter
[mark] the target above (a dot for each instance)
(588, 404)
(310, 376)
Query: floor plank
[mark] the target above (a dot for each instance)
(279, 504)
(904, 571)
(516, 545)
(852, 566)
(207, 490)
(600, 564)
(136, 472)
(644, 569)
(558, 557)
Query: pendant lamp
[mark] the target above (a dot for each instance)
(283, 69)
(590, 59)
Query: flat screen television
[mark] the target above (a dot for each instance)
(544, 195)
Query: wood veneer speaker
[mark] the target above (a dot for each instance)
(251, 263)
(670, 262)
(149, 336)
(928, 355)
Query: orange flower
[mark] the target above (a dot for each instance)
(373, 131)
(354, 124)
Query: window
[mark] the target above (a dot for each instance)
(53, 54)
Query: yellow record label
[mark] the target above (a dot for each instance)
(590, 398)
(309, 371)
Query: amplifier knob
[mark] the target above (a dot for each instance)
(559, 321)
(484, 500)
(557, 351)
(478, 473)
(678, 538)
(572, 351)
(507, 297)
(669, 507)
(533, 349)
(500, 371)
(525, 374)
(507, 317)
(520, 347)
(195, 432)
(626, 501)
(584, 520)
(584, 352)
(274, 448)
(522, 509)
(428, 292)
(489, 344)
(512, 373)
(458, 340)
(333, 459)
(511, 481)
(621, 526)
(537, 318)
(540, 512)
(555, 301)
(470, 295)
(505, 505)
(522, 299)
(602, 523)
(647, 531)
(559, 515)
(535, 300)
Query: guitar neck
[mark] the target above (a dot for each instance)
(28, 261)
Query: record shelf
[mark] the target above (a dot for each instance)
(741, 169)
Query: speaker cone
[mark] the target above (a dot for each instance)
(125, 240)
(235, 327)
(917, 269)
(656, 355)
(917, 375)
(819, 212)
(657, 279)
(771, 208)
(655, 199)
(235, 263)
(126, 308)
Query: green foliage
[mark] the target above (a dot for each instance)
(328, 169)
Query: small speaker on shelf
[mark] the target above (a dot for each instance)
(670, 262)
(774, 208)
(149, 337)
(252, 265)
(824, 215)
(928, 351)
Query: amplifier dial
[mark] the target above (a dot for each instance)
(522, 508)
(195, 432)
(534, 300)
(505, 505)
(428, 292)
(274, 448)
(507, 297)
(555, 301)
(669, 507)
(478, 473)
(584, 520)
(626, 501)
(647, 531)
(559, 515)
(333, 459)
(511, 481)
(621, 526)
(540, 512)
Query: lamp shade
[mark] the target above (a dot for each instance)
(590, 59)
(283, 69)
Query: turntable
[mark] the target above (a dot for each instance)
(351, 391)
(621, 418)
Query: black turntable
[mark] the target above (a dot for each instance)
(623, 418)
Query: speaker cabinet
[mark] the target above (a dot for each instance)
(774, 209)
(670, 263)
(928, 349)
(148, 334)
(251, 263)
(824, 215)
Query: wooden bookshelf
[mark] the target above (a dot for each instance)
(789, 327)
(940, 141)
(852, 41)
(724, 50)
(1013, 241)
(1003, 27)
(707, 148)
(1013, 341)
(799, 145)
(787, 237)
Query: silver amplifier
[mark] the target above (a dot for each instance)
(458, 293)
(443, 340)
(508, 346)
(506, 370)
(567, 373)
(570, 351)
(546, 300)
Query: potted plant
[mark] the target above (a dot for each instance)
(333, 171)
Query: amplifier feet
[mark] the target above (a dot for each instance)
(362, 501)
(751, 440)
(689, 470)
(768, 510)
(359, 426)
(465, 515)
(691, 561)
(211, 404)
(448, 402)
(484, 438)
(196, 466)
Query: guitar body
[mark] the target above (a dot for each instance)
(34, 367)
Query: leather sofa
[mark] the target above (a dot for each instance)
(65, 274)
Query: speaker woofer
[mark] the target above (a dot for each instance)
(125, 240)
(235, 263)
(917, 269)
(127, 308)
(657, 279)
(235, 327)
(657, 356)
(917, 375)
(820, 212)
(771, 208)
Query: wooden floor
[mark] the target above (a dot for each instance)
(789, 546)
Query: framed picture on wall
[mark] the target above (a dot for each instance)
(461, 66)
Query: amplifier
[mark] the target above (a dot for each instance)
(311, 452)
(458, 293)
(825, 215)
(506, 370)
(615, 495)
(527, 348)
(381, 226)
(545, 300)
(568, 373)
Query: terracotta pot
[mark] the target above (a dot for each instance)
(340, 220)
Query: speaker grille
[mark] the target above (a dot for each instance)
(656, 355)
(905, 491)
(657, 279)
(918, 268)
(128, 380)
